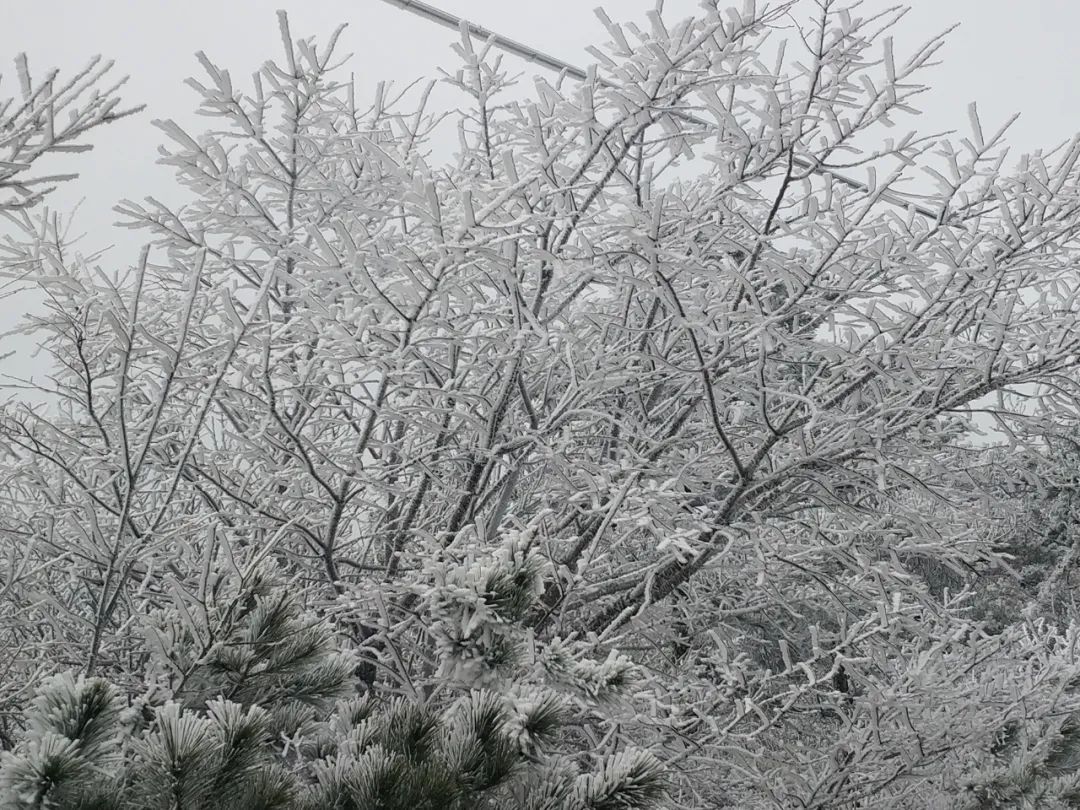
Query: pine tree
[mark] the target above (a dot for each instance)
(268, 715)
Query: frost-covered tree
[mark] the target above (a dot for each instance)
(647, 324)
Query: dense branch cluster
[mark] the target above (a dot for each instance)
(633, 383)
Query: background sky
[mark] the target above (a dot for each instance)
(1007, 55)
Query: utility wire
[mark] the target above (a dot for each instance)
(530, 54)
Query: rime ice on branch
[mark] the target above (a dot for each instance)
(51, 116)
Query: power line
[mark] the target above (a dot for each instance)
(448, 20)
(530, 54)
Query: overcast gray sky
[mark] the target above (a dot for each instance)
(1008, 55)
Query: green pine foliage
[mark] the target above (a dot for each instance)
(1031, 765)
(252, 703)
